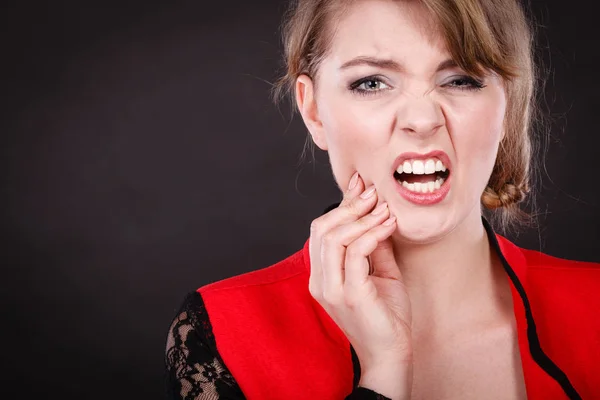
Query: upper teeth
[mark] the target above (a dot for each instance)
(420, 167)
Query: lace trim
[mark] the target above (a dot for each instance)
(194, 369)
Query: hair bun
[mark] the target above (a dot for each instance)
(507, 195)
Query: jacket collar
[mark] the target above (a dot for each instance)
(535, 361)
(537, 366)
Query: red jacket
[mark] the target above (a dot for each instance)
(279, 343)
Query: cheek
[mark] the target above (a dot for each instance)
(476, 132)
(489, 127)
(355, 133)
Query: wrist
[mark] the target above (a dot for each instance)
(393, 381)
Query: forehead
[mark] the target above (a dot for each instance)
(402, 30)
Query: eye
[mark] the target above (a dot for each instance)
(465, 83)
(368, 85)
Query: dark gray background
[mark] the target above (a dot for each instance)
(142, 158)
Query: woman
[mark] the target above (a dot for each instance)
(403, 290)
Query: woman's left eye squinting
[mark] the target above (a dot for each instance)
(465, 83)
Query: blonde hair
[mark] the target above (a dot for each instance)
(481, 35)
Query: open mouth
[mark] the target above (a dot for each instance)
(422, 176)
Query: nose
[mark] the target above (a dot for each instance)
(419, 115)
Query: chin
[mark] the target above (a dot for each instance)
(423, 226)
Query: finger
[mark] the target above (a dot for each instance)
(356, 186)
(350, 209)
(353, 210)
(357, 282)
(383, 260)
(333, 248)
(357, 204)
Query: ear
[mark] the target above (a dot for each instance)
(305, 98)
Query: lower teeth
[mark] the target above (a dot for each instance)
(423, 187)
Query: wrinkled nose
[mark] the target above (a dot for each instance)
(419, 116)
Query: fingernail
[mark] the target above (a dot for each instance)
(368, 193)
(379, 209)
(390, 221)
(353, 181)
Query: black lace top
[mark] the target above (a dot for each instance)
(195, 370)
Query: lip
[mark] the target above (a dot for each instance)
(423, 198)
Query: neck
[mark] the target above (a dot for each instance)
(454, 280)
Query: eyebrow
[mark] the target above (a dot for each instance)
(391, 64)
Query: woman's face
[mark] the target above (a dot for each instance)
(388, 93)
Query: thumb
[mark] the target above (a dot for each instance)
(384, 262)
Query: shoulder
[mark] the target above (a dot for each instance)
(556, 286)
(275, 298)
(538, 265)
(538, 260)
(548, 269)
(234, 300)
(570, 286)
(293, 267)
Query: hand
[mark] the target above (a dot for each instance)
(372, 310)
